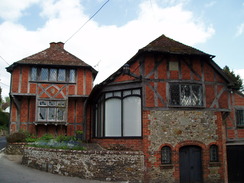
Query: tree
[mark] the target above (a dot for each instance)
(236, 79)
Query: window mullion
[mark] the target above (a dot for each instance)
(122, 116)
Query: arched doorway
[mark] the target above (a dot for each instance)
(190, 164)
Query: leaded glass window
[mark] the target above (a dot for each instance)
(72, 75)
(33, 73)
(44, 74)
(187, 95)
(240, 117)
(61, 75)
(166, 155)
(53, 75)
(214, 157)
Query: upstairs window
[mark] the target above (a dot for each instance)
(52, 111)
(166, 155)
(214, 157)
(240, 117)
(53, 75)
(185, 95)
(118, 114)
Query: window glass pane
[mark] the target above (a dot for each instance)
(136, 92)
(60, 114)
(51, 114)
(214, 153)
(52, 103)
(61, 75)
(240, 117)
(42, 103)
(107, 95)
(117, 94)
(174, 94)
(44, 74)
(33, 73)
(166, 155)
(126, 93)
(113, 117)
(53, 75)
(132, 116)
(42, 115)
(185, 97)
(196, 95)
(61, 103)
(72, 75)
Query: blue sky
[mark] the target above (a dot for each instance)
(122, 27)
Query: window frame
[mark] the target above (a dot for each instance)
(44, 104)
(170, 84)
(70, 75)
(99, 113)
(166, 152)
(238, 123)
(214, 153)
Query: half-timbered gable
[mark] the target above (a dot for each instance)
(168, 101)
(48, 90)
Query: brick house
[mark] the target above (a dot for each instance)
(170, 101)
(48, 91)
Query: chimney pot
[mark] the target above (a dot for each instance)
(57, 45)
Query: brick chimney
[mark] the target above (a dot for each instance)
(57, 45)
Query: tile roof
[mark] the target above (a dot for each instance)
(54, 55)
(164, 44)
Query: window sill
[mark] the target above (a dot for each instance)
(50, 123)
(166, 166)
(214, 164)
(55, 82)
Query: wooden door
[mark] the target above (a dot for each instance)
(190, 164)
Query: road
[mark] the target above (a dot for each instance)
(2, 142)
(11, 171)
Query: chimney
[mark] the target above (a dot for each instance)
(57, 45)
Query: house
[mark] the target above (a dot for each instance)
(170, 101)
(48, 92)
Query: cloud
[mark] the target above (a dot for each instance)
(110, 46)
(240, 30)
(210, 4)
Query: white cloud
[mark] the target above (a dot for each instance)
(240, 72)
(240, 30)
(111, 45)
(210, 4)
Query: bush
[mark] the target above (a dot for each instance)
(16, 137)
(46, 137)
(63, 138)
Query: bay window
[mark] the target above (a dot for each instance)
(118, 114)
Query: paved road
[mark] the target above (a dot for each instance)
(11, 171)
(2, 142)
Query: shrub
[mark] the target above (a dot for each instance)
(63, 138)
(46, 137)
(16, 137)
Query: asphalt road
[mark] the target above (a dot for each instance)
(2, 142)
(11, 171)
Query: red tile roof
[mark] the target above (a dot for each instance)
(54, 55)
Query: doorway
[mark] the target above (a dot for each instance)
(191, 164)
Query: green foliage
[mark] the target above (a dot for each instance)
(63, 138)
(236, 79)
(16, 137)
(79, 132)
(4, 119)
(46, 137)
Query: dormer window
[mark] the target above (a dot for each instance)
(185, 95)
(53, 75)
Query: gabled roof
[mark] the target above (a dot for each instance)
(54, 55)
(164, 44)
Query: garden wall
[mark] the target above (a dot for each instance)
(97, 165)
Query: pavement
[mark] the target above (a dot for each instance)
(11, 171)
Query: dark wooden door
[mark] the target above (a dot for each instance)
(235, 159)
(190, 164)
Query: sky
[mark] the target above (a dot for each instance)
(119, 30)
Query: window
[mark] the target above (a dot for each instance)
(166, 155)
(51, 110)
(118, 114)
(188, 95)
(240, 117)
(214, 153)
(53, 74)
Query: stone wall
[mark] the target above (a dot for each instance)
(98, 165)
(15, 148)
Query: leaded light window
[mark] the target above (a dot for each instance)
(214, 157)
(240, 117)
(53, 75)
(118, 114)
(185, 95)
(53, 111)
(166, 155)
